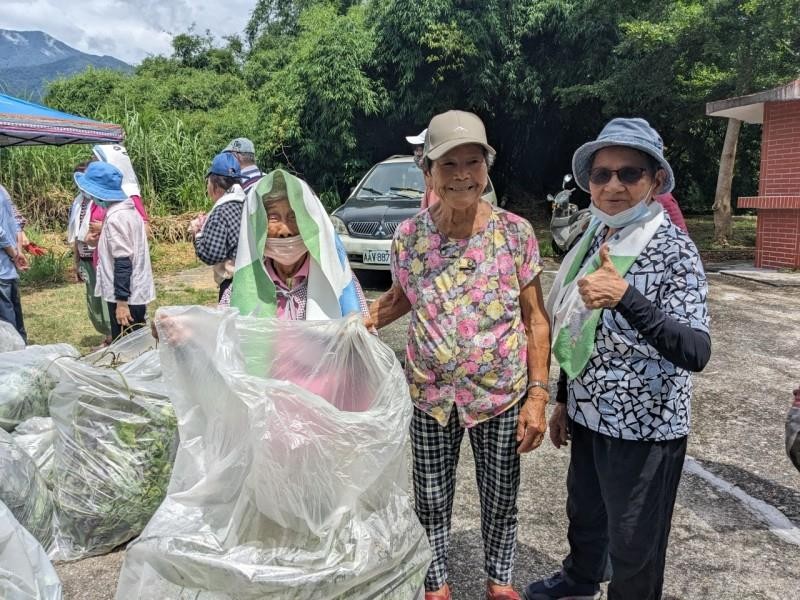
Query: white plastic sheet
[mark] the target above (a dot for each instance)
(25, 571)
(26, 378)
(290, 488)
(24, 491)
(10, 340)
(114, 449)
(36, 437)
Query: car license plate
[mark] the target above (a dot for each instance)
(376, 257)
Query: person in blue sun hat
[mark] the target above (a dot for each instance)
(216, 235)
(629, 321)
(124, 273)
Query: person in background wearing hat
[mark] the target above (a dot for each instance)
(11, 259)
(630, 323)
(245, 152)
(83, 256)
(478, 349)
(418, 141)
(672, 209)
(124, 274)
(216, 235)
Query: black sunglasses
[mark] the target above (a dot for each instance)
(626, 175)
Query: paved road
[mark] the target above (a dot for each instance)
(723, 545)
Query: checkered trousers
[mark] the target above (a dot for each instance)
(435, 449)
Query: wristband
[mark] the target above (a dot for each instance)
(536, 383)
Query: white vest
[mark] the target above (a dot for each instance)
(124, 235)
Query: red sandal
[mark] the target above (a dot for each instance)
(443, 593)
(501, 593)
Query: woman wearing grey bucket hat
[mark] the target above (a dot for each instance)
(478, 346)
(629, 324)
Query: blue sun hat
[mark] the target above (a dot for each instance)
(225, 164)
(103, 181)
(633, 133)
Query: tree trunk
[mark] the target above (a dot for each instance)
(723, 227)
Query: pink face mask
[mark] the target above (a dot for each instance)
(285, 251)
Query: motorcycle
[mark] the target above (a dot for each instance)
(568, 222)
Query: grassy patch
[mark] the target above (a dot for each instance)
(55, 310)
(58, 314)
(169, 258)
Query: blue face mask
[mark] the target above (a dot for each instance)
(629, 216)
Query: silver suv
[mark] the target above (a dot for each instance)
(387, 195)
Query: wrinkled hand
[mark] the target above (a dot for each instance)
(123, 314)
(559, 433)
(197, 223)
(605, 287)
(532, 423)
(95, 227)
(170, 330)
(21, 262)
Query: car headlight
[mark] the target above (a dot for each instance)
(339, 226)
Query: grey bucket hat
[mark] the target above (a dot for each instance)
(632, 133)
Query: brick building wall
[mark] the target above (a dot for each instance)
(780, 150)
(778, 200)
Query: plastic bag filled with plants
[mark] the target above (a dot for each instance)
(291, 478)
(36, 436)
(10, 340)
(25, 571)
(24, 491)
(26, 379)
(114, 449)
(133, 354)
(123, 350)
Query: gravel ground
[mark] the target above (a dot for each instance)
(718, 548)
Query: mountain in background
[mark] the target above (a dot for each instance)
(29, 60)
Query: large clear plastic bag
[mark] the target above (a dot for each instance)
(793, 435)
(114, 449)
(10, 340)
(278, 491)
(24, 491)
(37, 436)
(26, 379)
(25, 571)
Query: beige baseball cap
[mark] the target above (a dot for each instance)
(454, 128)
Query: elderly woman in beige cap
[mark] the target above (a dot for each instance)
(478, 346)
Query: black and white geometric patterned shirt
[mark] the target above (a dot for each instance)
(628, 390)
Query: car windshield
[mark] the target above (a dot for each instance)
(394, 180)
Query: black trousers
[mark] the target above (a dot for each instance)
(10, 306)
(226, 283)
(620, 499)
(138, 314)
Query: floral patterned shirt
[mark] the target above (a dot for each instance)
(466, 340)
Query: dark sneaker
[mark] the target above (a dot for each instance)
(557, 587)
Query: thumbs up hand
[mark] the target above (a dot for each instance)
(605, 287)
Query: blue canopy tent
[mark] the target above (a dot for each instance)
(24, 123)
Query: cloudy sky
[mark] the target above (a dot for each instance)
(126, 29)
